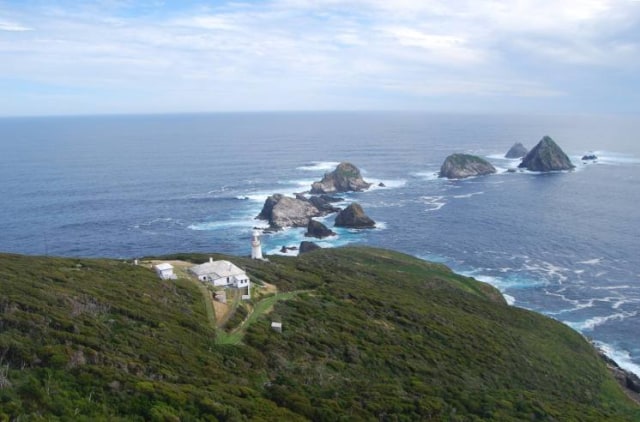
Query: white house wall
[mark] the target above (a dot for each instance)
(220, 281)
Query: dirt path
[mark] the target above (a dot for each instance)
(219, 313)
(262, 307)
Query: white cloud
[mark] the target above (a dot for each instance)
(210, 22)
(13, 26)
(451, 49)
(324, 49)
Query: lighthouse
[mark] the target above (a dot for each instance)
(256, 246)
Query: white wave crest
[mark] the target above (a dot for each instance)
(622, 286)
(468, 195)
(591, 323)
(387, 183)
(297, 182)
(621, 357)
(547, 268)
(427, 175)
(501, 157)
(593, 261)
(434, 203)
(217, 225)
(319, 166)
(503, 170)
(614, 158)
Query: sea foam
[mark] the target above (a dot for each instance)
(591, 323)
(621, 357)
(319, 166)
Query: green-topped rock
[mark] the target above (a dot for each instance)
(459, 166)
(546, 156)
(345, 178)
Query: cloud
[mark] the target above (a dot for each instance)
(451, 49)
(307, 53)
(13, 27)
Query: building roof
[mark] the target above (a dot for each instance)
(164, 266)
(216, 269)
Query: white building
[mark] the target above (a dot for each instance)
(165, 271)
(223, 273)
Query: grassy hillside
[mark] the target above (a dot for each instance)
(369, 334)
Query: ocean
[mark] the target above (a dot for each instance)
(563, 244)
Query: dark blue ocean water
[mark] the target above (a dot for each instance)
(563, 244)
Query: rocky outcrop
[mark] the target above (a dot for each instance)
(282, 211)
(627, 380)
(354, 217)
(306, 246)
(318, 230)
(546, 156)
(589, 157)
(345, 178)
(459, 166)
(516, 151)
(324, 203)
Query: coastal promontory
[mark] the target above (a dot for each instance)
(546, 156)
(351, 333)
(345, 178)
(516, 151)
(459, 166)
(354, 217)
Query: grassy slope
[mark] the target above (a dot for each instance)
(380, 336)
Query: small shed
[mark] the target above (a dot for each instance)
(165, 271)
(276, 326)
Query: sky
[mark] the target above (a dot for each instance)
(125, 56)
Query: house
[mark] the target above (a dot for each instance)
(223, 273)
(165, 271)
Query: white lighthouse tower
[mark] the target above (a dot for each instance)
(256, 246)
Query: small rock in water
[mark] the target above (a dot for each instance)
(354, 217)
(517, 151)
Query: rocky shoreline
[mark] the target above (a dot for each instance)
(629, 381)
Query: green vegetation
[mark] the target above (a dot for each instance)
(466, 159)
(375, 335)
(236, 331)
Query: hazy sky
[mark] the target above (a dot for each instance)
(77, 57)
